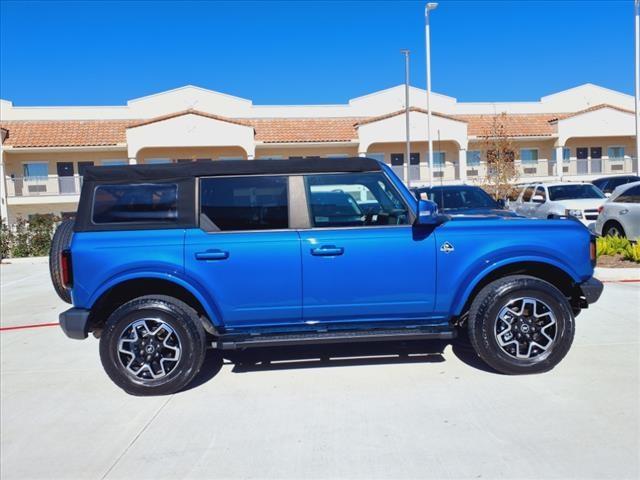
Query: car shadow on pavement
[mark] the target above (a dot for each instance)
(335, 355)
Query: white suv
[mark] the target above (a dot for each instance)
(561, 199)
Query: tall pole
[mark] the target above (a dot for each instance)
(430, 6)
(637, 18)
(406, 107)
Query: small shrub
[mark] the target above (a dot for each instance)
(28, 239)
(5, 239)
(632, 253)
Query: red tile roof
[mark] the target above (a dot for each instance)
(190, 111)
(591, 109)
(516, 124)
(401, 112)
(66, 133)
(304, 130)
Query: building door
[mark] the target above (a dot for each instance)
(414, 166)
(66, 182)
(596, 159)
(582, 159)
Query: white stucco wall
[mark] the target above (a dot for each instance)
(599, 123)
(190, 130)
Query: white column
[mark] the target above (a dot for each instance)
(362, 154)
(559, 161)
(250, 157)
(405, 171)
(462, 164)
(133, 161)
(3, 189)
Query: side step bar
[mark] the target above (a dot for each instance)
(240, 341)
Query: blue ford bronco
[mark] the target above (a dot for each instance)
(165, 261)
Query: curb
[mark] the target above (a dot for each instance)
(23, 260)
(617, 274)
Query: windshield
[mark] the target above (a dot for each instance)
(572, 192)
(455, 198)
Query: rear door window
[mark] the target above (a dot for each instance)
(244, 203)
(141, 203)
(527, 194)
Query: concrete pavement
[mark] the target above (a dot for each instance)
(395, 410)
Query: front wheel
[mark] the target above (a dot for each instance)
(152, 345)
(521, 324)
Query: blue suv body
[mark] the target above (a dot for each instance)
(165, 260)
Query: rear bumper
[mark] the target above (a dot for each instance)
(592, 289)
(75, 323)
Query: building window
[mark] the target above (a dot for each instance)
(397, 159)
(155, 161)
(529, 155)
(439, 159)
(111, 163)
(615, 153)
(473, 158)
(566, 155)
(36, 170)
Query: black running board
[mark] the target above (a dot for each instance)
(239, 341)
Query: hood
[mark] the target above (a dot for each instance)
(582, 203)
(494, 212)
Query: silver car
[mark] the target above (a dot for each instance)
(620, 214)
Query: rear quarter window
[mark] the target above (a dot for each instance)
(135, 203)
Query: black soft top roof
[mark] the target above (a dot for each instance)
(127, 173)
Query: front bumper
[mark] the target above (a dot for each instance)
(75, 323)
(591, 290)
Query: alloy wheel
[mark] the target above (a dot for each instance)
(526, 328)
(149, 349)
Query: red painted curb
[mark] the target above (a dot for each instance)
(36, 325)
(621, 281)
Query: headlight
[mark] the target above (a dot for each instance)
(573, 212)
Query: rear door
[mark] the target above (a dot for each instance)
(523, 205)
(244, 254)
(364, 263)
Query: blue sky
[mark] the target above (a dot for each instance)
(103, 53)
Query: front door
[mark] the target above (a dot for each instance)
(362, 260)
(244, 255)
(582, 156)
(66, 181)
(596, 159)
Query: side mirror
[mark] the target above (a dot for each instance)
(501, 203)
(537, 199)
(428, 213)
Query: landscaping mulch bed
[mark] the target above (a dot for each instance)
(616, 261)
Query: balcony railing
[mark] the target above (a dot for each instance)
(40, 186)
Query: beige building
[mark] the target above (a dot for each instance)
(45, 149)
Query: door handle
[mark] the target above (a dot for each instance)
(327, 251)
(212, 255)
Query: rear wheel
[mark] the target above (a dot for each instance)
(61, 241)
(521, 324)
(613, 229)
(153, 345)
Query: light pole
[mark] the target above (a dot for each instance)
(430, 6)
(637, 50)
(406, 107)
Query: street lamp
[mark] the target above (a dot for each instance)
(430, 6)
(406, 106)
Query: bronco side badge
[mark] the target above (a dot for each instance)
(446, 247)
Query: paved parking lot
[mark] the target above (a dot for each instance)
(409, 410)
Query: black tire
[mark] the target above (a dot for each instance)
(484, 323)
(613, 229)
(186, 325)
(61, 241)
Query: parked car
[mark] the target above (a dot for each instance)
(609, 184)
(620, 214)
(560, 200)
(241, 254)
(463, 200)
